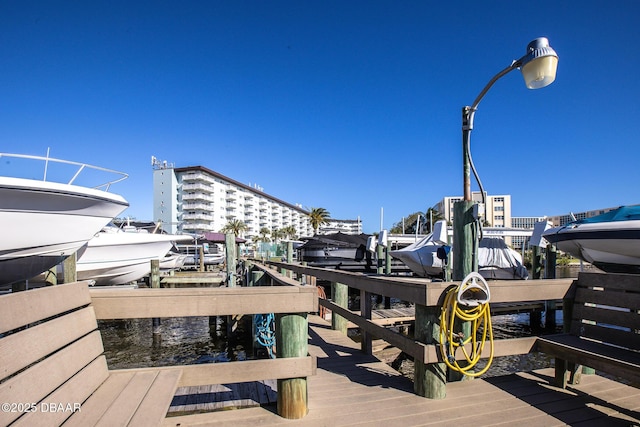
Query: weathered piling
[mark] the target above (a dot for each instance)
(339, 296)
(69, 272)
(291, 341)
(429, 380)
(464, 236)
(154, 281)
(230, 250)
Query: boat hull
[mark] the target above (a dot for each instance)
(119, 258)
(613, 247)
(45, 222)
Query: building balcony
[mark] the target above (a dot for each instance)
(197, 196)
(197, 216)
(197, 187)
(197, 176)
(197, 207)
(197, 226)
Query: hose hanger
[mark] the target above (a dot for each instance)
(468, 302)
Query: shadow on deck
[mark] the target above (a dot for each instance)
(352, 388)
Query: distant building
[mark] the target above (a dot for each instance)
(497, 209)
(195, 199)
(526, 223)
(345, 226)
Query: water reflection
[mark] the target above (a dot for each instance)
(183, 340)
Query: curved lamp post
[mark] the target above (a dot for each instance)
(538, 67)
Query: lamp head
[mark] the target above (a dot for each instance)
(539, 65)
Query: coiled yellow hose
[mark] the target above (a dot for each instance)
(450, 341)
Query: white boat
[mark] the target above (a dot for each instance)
(172, 261)
(44, 221)
(212, 255)
(610, 241)
(496, 260)
(115, 257)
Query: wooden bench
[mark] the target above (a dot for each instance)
(602, 316)
(53, 370)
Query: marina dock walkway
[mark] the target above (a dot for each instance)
(352, 389)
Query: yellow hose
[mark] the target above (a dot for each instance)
(450, 341)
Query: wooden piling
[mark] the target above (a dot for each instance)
(230, 249)
(339, 296)
(69, 272)
(365, 311)
(550, 273)
(429, 380)
(291, 341)
(464, 238)
(154, 277)
(154, 282)
(201, 258)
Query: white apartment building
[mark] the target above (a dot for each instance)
(497, 209)
(195, 199)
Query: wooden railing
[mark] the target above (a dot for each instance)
(291, 304)
(430, 371)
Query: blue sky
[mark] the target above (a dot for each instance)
(352, 106)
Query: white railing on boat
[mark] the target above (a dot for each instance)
(81, 166)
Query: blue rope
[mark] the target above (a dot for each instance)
(265, 332)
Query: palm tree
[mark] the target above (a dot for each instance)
(264, 235)
(277, 234)
(317, 217)
(235, 226)
(290, 232)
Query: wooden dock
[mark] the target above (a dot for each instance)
(352, 388)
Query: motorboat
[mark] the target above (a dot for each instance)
(44, 220)
(172, 261)
(610, 241)
(117, 257)
(337, 250)
(211, 254)
(429, 256)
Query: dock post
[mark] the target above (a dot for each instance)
(379, 256)
(387, 259)
(463, 236)
(550, 273)
(154, 281)
(69, 272)
(201, 258)
(230, 247)
(365, 311)
(154, 277)
(290, 258)
(536, 263)
(291, 341)
(429, 380)
(339, 296)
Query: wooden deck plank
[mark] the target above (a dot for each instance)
(157, 400)
(123, 407)
(352, 388)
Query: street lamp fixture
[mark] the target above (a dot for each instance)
(538, 67)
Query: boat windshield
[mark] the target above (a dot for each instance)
(623, 213)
